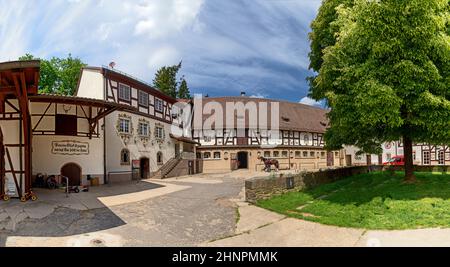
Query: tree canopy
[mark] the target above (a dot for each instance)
(58, 75)
(166, 81)
(183, 90)
(384, 69)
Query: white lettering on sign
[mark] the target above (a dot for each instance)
(70, 148)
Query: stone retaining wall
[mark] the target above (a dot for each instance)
(259, 188)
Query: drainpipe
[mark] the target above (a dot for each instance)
(105, 178)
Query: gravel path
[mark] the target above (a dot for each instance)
(188, 217)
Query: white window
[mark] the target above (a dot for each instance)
(159, 105)
(305, 154)
(306, 138)
(276, 154)
(124, 92)
(143, 129)
(284, 154)
(159, 132)
(426, 158)
(312, 154)
(441, 157)
(217, 155)
(143, 99)
(207, 138)
(207, 155)
(124, 126)
(267, 154)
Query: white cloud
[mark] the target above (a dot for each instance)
(164, 56)
(159, 18)
(226, 46)
(310, 102)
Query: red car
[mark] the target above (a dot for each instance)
(396, 161)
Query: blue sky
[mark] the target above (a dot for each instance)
(257, 46)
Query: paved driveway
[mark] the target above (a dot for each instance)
(189, 211)
(175, 212)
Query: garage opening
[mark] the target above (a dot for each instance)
(243, 160)
(144, 168)
(73, 172)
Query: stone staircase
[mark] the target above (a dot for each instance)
(167, 168)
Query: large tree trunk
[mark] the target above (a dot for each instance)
(409, 164)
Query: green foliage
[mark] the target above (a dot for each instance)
(58, 75)
(183, 90)
(166, 81)
(323, 31)
(384, 69)
(375, 200)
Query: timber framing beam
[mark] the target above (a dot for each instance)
(22, 98)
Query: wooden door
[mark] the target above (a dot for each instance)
(145, 168)
(233, 161)
(330, 159)
(73, 172)
(348, 160)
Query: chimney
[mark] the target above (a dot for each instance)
(242, 93)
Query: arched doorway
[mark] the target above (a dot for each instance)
(144, 169)
(73, 172)
(242, 158)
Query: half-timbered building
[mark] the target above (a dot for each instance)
(138, 139)
(47, 134)
(297, 145)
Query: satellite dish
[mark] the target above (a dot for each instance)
(112, 64)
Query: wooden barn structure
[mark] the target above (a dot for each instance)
(27, 116)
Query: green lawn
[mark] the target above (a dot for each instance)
(373, 201)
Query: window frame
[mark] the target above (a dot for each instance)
(215, 153)
(121, 128)
(159, 158)
(146, 97)
(159, 132)
(426, 159)
(140, 129)
(159, 105)
(120, 89)
(122, 153)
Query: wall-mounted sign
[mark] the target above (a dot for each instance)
(136, 164)
(70, 148)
